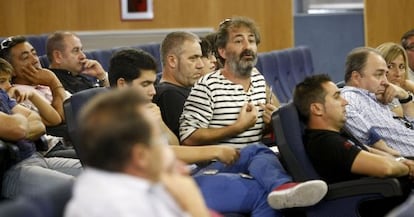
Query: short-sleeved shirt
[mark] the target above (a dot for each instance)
(171, 98)
(75, 83)
(332, 154)
(26, 148)
(215, 102)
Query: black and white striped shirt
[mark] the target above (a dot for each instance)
(215, 102)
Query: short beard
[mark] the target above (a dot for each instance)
(242, 70)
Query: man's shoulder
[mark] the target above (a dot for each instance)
(169, 88)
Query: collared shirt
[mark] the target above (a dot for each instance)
(215, 102)
(75, 83)
(100, 193)
(366, 116)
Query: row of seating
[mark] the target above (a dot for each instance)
(103, 56)
(283, 69)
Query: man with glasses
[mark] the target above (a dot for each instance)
(368, 93)
(407, 41)
(69, 63)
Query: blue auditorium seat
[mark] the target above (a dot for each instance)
(283, 69)
(360, 197)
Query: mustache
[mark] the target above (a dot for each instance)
(248, 52)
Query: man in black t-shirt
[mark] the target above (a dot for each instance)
(69, 63)
(182, 67)
(338, 156)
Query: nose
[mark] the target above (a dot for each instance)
(82, 55)
(199, 63)
(152, 91)
(344, 101)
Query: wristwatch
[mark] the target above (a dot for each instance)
(408, 99)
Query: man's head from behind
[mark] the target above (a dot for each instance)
(319, 103)
(236, 41)
(181, 58)
(118, 135)
(133, 68)
(19, 53)
(65, 51)
(365, 68)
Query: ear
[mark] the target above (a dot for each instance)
(172, 61)
(140, 157)
(120, 83)
(316, 109)
(222, 52)
(57, 56)
(355, 76)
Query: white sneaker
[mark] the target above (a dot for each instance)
(297, 194)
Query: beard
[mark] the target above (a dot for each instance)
(241, 67)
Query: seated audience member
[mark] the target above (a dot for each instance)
(336, 155)
(407, 42)
(29, 75)
(137, 69)
(211, 37)
(29, 99)
(69, 63)
(368, 93)
(396, 59)
(32, 173)
(229, 107)
(207, 56)
(130, 169)
(182, 67)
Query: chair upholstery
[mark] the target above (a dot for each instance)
(45, 204)
(347, 196)
(71, 107)
(283, 69)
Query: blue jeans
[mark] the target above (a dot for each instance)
(227, 191)
(36, 174)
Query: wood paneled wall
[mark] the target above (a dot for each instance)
(274, 17)
(387, 20)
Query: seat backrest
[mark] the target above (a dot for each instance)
(50, 203)
(289, 130)
(269, 67)
(283, 69)
(71, 107)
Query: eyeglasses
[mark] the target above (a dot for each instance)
(409, 47)
(7, 43)
(224, 22)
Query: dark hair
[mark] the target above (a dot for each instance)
(356, 60)
(128, 63)
(173, 43)
(7, 44)
(206, 47)
(5, 67)
(222, 35)
(55, 41)
(405, 37)
(211, 37)
(110, 126)
(309, 91)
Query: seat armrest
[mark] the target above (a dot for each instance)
(387, 187)
(59, 131)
